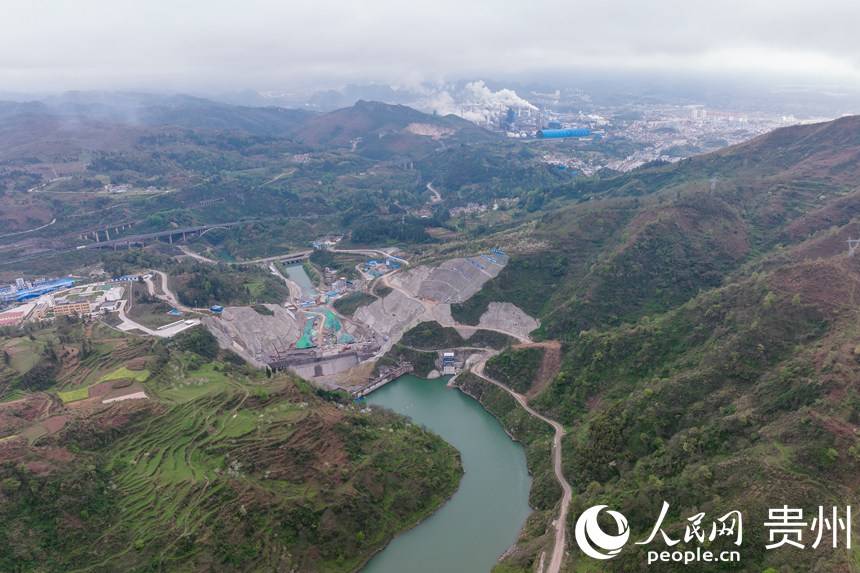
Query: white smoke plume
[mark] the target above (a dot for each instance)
(477, 103)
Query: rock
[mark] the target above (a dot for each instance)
(433, 374)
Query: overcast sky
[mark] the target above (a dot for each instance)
(268, 44)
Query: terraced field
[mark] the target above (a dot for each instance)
(168, 473)
(254, 474)
(222, 468)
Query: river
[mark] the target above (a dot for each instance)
(298, 275)
(483, 518)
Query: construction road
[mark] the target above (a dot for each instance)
(567, 493)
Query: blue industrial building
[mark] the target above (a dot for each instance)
(36, 290)
(562, 133)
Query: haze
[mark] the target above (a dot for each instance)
(263, 44)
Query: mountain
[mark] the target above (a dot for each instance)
(378, 129)
(155, 110)
(196, 113)
(64, 127)
(708, 316)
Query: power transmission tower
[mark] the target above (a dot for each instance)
(852, 246)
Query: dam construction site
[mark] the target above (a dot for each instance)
(323, 335)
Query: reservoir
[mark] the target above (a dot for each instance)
(483, 518)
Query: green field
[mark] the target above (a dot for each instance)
(74, 395)
(124, 373)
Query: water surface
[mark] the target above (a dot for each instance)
(298, 275)
(481, 520)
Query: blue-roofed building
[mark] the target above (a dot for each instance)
(562, 133)
(36, 290)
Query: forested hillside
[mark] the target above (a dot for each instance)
(709, 316)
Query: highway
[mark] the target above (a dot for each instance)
(202, 259)
(150, 236)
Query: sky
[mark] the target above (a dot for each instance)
(59, 45)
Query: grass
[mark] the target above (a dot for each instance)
(124, 373)
(256, 288)
(13, 395)
(194, 384)
(152, 315)
(24, 354)
(74, 395)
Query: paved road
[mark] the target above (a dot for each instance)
(567, 492)
(128, 324)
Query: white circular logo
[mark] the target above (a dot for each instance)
(592, 539)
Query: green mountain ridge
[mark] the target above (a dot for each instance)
(708, 313)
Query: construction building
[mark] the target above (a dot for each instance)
(73, 308)
(449, 364)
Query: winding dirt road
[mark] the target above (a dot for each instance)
(567, 493)
(478, 368)
(33, 230)
(437, 197)
(169, 296)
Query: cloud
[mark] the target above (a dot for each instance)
(269, 44)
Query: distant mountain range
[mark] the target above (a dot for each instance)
(87, 119)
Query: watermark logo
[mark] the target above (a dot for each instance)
(595, 542)
(693, 539)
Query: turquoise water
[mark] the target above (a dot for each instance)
(483, 518)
